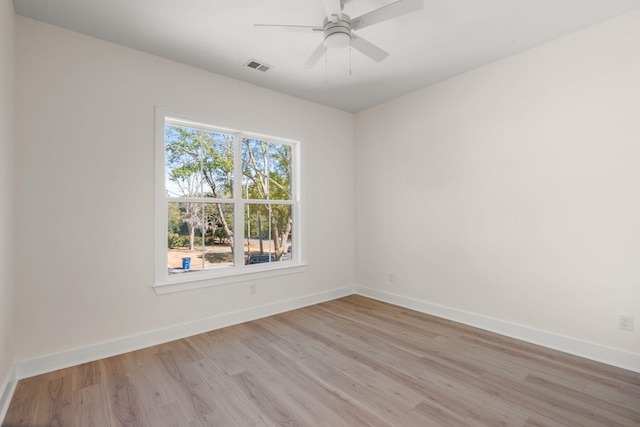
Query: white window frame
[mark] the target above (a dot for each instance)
(165, 282)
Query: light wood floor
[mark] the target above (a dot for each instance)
(348, 362)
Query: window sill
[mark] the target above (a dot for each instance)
(191, 281)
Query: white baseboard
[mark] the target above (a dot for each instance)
(7, 388)
(609, 356)
(52, 362)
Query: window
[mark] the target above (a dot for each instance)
(227, 204)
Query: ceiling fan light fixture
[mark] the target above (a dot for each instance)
(337, 35)
(337, 40)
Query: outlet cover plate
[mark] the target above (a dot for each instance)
(626, 323)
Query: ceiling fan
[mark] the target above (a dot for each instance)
(338, 28)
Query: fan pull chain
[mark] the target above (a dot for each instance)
(326, 67)
(350, 51)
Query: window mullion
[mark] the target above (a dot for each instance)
(238, 206)
(203, 233)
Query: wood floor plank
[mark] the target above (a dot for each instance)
(340, 410)
(321, 400)
(22, 404)
(167, 415)
(125, 401)
(602, 410)
(238, 408)
(452, 362)
(353, 361)
(197, 400)
(90, 407)
(61, 395)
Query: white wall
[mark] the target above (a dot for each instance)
(512, 192)
(7, 63)
(84, 175)
(508, 192)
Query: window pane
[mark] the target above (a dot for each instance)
(268, 231)
(198, 163)
(184, 243)
(218, 240)
(199, 236)
(266, 170)
(217, 165)
(282, 230)
(279, 171)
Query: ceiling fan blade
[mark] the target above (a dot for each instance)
(390, 11)
(369, 49)
(315, 56)
(333, 8)
(289, 28)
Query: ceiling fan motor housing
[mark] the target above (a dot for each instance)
(337, 34)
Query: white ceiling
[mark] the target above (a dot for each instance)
(446, 38)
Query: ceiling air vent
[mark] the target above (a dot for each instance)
(252, 63)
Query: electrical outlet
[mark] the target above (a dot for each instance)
(625, 323)
(252, 289)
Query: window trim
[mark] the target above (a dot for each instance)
(166, 283)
